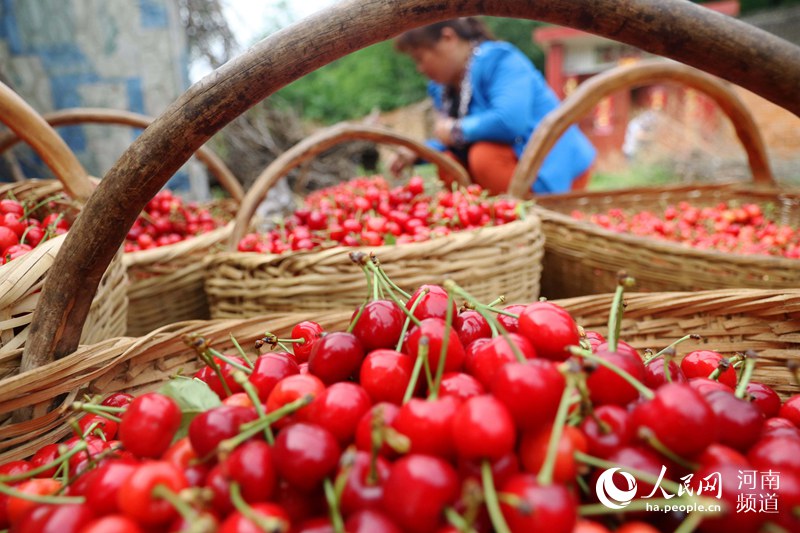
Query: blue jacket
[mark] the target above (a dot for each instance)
(509, 99)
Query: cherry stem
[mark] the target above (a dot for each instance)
(250, 429)
(668, 355)
(545, 476)
(333, 507)
(58, 461)
(497, 301)
(377, 427)
(749, 365)
(672, 346)
(408, 319)
(617, 307)
(722, 366)
(494, 324)
(457, 521)
(99, 410)
(264, 523)
(448, 328)
(186, 511)
(371, 266)
(648, 436)
(241, 351)
(222, 357)
(249, 389)
(422, 356)
(635, 383)
(40, 498)
(385, 277)
(492, 502)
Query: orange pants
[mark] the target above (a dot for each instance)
(491, 166)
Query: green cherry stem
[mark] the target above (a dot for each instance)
(492, 502)
(241, 351)
(222, 357)
(457, 521)
(58, 461)
(249, 389)
(186, 511)
(393, 297)
(635, 383)
(333, 507)
(747, 374)
(250, 429)
(648, 436)
(617, 307)
(407, 322)
(448, 328)
(40, 498)
(545, 476)
(264, 523)
(422, 356)
(672, 346)
(385, 277)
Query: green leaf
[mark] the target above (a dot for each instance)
(389, 239)
(193, 397)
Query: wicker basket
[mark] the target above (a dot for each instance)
(175, 270)
(21, 280)
(766, 321)
(488, 262)
(583, 258)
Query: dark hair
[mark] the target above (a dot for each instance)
(467, 28)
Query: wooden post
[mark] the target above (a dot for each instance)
(757, 60)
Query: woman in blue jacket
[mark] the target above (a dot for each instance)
(489, 98)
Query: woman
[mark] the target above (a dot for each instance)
(489, 98)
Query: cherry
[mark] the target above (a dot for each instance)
(370, 521)
(209, 428)
(595, 339)
(380, 324)
(482, 428)
(149, 424)
(705, 385)
(338, 409)
(607, 429)
(550, 329)
(269, 369)
(418, 489)
(533, 452)
(96, 425)
(765, 398)
(310, 332)
(112, 524)
(775, 453)
(305, 454)
(319, 524)
(386, 413)
(549, 508)
(701, 363)
(363, 487)
(427, 424)
(434, 329)
(510, 323)
(17, 506)
(459, 385)
(726, 478)
(654, 375)
(136, 497)
(521, 385)
(237, 522)
(779, 427)
(502, 469)
(791, 410)
(718, 454)
(293, 388)
(486, 358)
(43, 456)
(385, 375)
(252, 466)
(680, 418)
(336, 357)
(640, 459)
(471, 325)
(104, 484)
(738, 422)
(432, 304)
(213, 380)
(606, 387)
(118, 399)
(69, 518)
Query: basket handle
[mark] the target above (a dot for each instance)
(734, 50)
(593, 90)
(83, 115)
(319, 142)
(29, 125)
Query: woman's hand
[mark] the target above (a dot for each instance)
(443, 129)
(401, 159)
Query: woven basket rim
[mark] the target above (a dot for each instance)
(668, 247)
(531, 219)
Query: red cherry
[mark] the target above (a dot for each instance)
(427, 424)
(137, 500)
(719, 454)
(236, 522)
(533, 451)
(112, 524)
(379, 325)
(550, 329)
(738, 422)
(471, 325)
(149, 424)
(363, 488)
(655, 376)
(607, 429)
(310, 332)
(382, 414)
(790, 410)
(336, 357)
(765, 398)
(69, 518)
(269, 369)
(775, 453)
(338, 409)
(213, 380)
(370, 521)
(431, 305)
(550, 508)
(293, 388)
(606, 387)
(483, 429)
(521, 385)
(461, 386)
(209, 428)
(701, 363)
(510, 323)
(385, 375)
(105, 483)
(305, 454)
(418, 490)
(486, 358)
(252, 466)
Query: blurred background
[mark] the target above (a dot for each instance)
(140, 55)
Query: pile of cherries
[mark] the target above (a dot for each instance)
(168, 219)
(745, 229)
(21, 231)
(369, 212)
(421, 417)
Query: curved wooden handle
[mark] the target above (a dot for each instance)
(317, 143)
(83, 115)
(593, 90)
(29, 125)
(753, 58)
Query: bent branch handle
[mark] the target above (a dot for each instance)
(29, 125)
(317, 143)
(593, 90)
(752, 58)
(84, 115)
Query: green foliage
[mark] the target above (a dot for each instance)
(380, 77)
